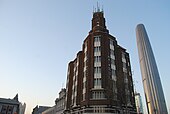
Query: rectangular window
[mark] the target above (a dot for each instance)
(111, 42)
(113, 67)
(113, 72)
(124, 65)
(111, 47)
(112, 57)
(97, 38)
(112, 61)
(97, 59)
(128, 64)
(97, 49)
(111, 52)
(83, 96)
(123, 55)
(125, 70)
(97, 75)
(98, 95)
(123, 60)
(4, 109)
(97, 41)
(97, 69)
(97, 82)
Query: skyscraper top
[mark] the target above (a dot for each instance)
(151, 80)
(98, 20)
(139, 26)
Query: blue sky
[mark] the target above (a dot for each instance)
(39, 37)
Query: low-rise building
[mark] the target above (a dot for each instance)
(39, 109)
(50, 110)
(60, 102)
(59, 106)
(11, 106)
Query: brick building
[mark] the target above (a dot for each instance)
(99, 79)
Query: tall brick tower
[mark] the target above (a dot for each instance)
(99, 79)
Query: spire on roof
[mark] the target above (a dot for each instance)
(98, 7)
(16, 97)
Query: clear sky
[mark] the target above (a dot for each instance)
(39, 37)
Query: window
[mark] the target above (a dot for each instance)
(113, 72)
(97, 59)
(123, 55)
(97, 69)
(97, 41)
(124, 65)
(98, 95)
(97, 75)
(96, 38)
(111, 42)
(123, 60)
(111, 52)
(4, 109)
(97, 49)
(112, 61)
(98, 109)
(83, 96)
(97, 82)
(128, 64)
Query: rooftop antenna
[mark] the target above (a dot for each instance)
(98, 8)
(93, 9)
(102, 9)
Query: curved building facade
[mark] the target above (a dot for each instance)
(99, 79)
(151, 80)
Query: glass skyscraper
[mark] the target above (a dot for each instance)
(151, 81)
